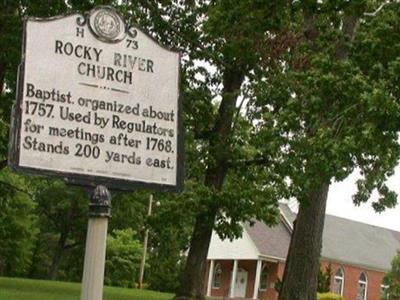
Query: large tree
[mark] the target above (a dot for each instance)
(332, 105)
(221, 46)
(220, 35)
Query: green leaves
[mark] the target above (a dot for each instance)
(330, 116)
(309, 115)
(392, 279)
(18, 229)
(123, 258)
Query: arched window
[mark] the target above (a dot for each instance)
(217, 276)
(362, 287)
(264, 278)
(338, 283)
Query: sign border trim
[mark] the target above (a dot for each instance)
(81, 179)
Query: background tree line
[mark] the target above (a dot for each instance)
(43, 232)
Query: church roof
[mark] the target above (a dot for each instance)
(270, 241)
(358, 243)
(344, 241)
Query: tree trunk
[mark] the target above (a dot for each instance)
(193, 279)
(55, 264)
(302, 265)
(34, 260)
(2, 76)
(192, 282)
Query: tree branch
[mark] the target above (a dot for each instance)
(251, 162)
(239, 108)
(70, 246)
(373, 14)
(349, 28)
(15, 188)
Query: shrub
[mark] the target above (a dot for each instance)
(392, 279)
(324, 279)
(123, 258)
(329, 296)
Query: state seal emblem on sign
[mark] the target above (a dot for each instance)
(107, 25)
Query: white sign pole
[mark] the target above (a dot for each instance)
(95, 253)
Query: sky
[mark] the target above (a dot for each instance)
(340, 203)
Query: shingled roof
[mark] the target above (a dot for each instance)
(270, 241)
(344, 241)
(359, 244)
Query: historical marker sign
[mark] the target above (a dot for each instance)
(98, 102)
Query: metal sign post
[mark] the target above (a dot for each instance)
(145, 241)
(95, 251)
(97, 105)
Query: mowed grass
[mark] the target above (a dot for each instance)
(27, 289)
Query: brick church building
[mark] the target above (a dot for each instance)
(249, 267)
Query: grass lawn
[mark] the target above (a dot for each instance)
(26, 289)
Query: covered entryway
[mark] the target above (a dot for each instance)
(243, 279)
